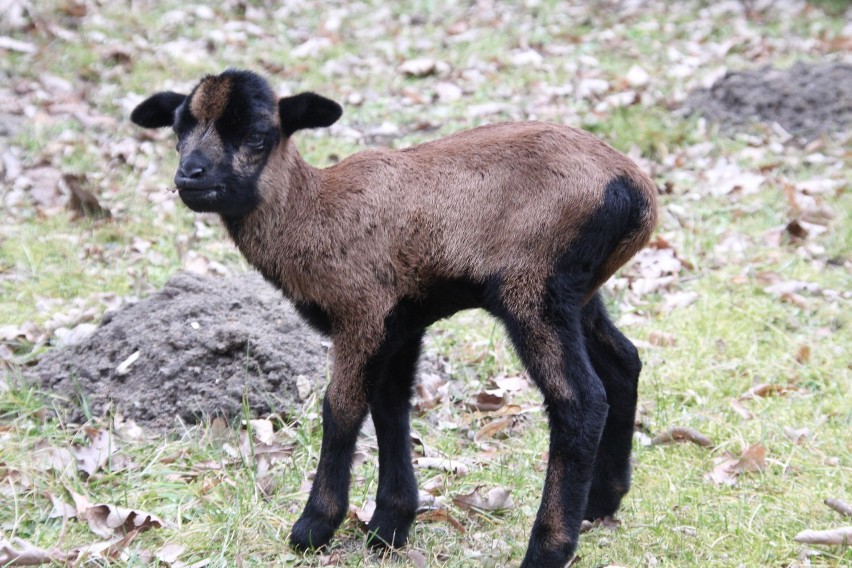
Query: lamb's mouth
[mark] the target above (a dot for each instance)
(201, 198)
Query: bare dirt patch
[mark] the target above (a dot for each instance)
(205, 347)
(805, 100)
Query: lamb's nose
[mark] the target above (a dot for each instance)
(192, 172)
(193, 166)
(192, 169)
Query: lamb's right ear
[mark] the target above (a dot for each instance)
(157, 110)
(307, 110)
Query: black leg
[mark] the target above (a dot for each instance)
(554, 353)
(390, 406)
(617, 363)
(344, 410)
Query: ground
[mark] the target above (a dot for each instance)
(739, 306)
(201, 348)
(805, 100)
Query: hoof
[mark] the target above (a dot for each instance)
(388, 530)
(311, 533)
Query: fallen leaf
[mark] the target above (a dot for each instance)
(19, 552)
(44, 188)
(81, 503)
(494, 427)
(767, 389)
(682, 434)
(440, 515)
(677, 300)
(656, 262)
(364, 513)
(661, 339)
(169, 553)
(514, 383)
(487, 401)
(728, 468)
(46, 457)
(781, 288)
(101, 449)
(61, 508)
(796, 435)
(417, 558)
(496, 499)
(738, 407)
(423, 68)
(753, 459)
(840, 506)
(107, 520)
(83, 202)
(607, 522)
(795, 299)
(443, 464)
(109, 549)
(724, 472)
(11, 44)
(263, 430)
(840, 535)
(13, 481)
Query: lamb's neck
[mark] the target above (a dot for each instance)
(272, 237)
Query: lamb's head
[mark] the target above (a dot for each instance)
(227, 128)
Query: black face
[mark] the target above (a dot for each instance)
(226, 129)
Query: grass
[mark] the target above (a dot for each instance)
(735, 335)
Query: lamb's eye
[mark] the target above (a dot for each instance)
(255, 141)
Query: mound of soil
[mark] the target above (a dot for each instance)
(806, 100)
(204, 346)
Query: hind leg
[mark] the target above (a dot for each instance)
(552, 348)
(617, 363)
(390, 406)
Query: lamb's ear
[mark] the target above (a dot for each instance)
(307, 110)
(157, 110)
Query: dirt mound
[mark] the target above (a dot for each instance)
(204, 345)
(806, 100)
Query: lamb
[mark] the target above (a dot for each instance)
(526, 220)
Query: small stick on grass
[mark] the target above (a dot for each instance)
(682, 434)
(840, 506)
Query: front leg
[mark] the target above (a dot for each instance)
(344, 408)
(396, 498)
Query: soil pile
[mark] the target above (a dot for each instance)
(197, 348)
(806, 100)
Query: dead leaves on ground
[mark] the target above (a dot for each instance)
(728, 468)
(841, 536)
(18, 552)
(118, 526)
(110, 521)
(97, 454)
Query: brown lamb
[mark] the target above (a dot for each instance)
(526, 220)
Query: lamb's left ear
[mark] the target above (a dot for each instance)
(157, 110)
(307, 110)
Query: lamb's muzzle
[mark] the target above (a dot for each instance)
(526, 220)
